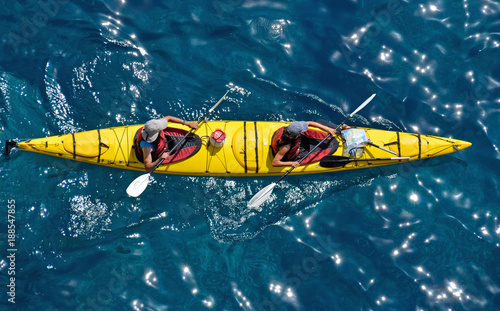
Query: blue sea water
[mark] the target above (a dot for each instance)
(418, 236)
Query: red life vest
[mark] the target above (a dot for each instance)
(276, 145)
(160, 145)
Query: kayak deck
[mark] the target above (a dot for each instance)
(245, 152)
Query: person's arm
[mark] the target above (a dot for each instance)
(325, 128)
(149, 164)
(322, 127)
(277, 161)
(192, 125)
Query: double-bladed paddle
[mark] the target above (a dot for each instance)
(141, 183)
(265, 193)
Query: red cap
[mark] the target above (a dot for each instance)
(218, 136)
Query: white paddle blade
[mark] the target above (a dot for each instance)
(220, 101)
(138, 185)
(366, 102)
(261, 196)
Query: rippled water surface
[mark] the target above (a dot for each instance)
(423, 235)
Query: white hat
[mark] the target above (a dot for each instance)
(152, 128)
(297, 127)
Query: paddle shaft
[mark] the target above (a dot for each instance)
(201, 119)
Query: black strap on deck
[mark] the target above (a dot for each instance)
(256, 148)
(245, 144)
(399, 146)
(419, 147)
(99, 155)
(74, 145)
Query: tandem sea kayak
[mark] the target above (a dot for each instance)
(243, 148)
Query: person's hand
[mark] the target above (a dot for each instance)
(332, 131)
(192, 125)
(165, 155)
(295, 164)
(346, 127)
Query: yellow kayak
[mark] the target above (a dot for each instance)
(246, 149)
